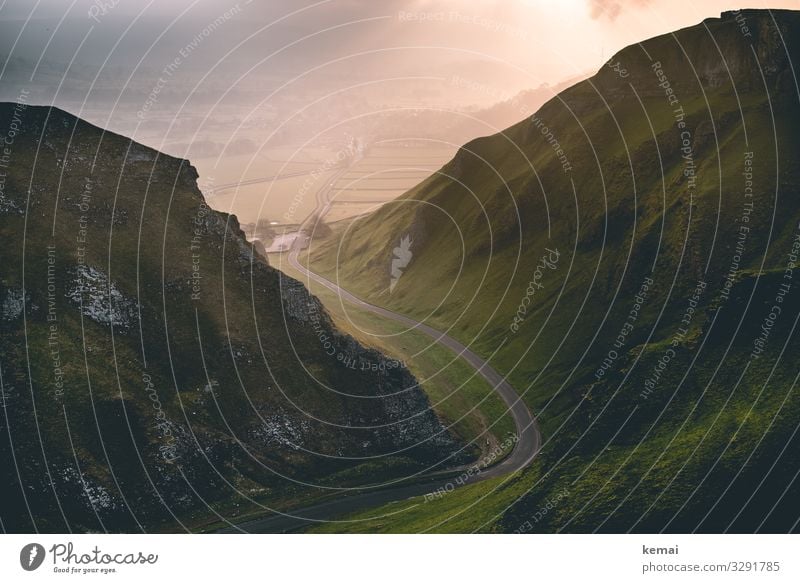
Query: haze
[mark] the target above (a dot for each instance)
(249, 90)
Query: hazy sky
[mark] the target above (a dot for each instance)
(227, 82)
(525, 41)
(267, 60)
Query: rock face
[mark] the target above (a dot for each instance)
(153, 365)
(99, 299)
(399, 412)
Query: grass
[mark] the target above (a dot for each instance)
(461, 397)
(212, 375)
(481, 227)
(472, 508)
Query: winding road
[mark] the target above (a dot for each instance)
(527, 428)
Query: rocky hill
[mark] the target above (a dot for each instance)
(157, 373)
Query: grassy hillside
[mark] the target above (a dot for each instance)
(157, 374)
(459, 395)
(629, 252)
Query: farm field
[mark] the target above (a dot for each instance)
(385, 172)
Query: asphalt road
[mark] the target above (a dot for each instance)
(526, 426)
(527, 429)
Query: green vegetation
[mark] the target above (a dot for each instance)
(459, 395)
(654, 416)
(157, 374)
(472, 508)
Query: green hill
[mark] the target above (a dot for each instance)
(629, 252)
(157, 374)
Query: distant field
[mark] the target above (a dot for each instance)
(265, 200)
(286, 201)
(375, 188)
(216, 171)
(382, 175)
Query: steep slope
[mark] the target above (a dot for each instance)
(629, 252)
(156, 372)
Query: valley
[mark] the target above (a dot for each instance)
(645, 184)
(573, 310)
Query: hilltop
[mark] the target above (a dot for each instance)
(628, 255)
(157, 373)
